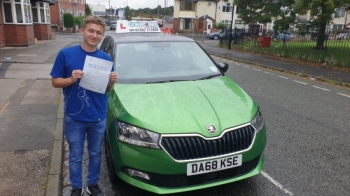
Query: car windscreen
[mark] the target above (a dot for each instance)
(152, 62)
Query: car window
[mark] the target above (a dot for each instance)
(162, 61)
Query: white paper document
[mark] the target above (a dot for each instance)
(96, 74)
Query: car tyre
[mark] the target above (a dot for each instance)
(113, 177)
(216, 37)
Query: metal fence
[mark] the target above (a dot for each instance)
(294, 45)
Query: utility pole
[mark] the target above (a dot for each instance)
(165, 10)
(230, 35)
(109, 12)
(158, 10)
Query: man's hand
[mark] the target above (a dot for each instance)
(65, 82)
(76, 74)
(113, 77)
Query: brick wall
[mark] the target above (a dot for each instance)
(55, 16)
(19, 35)
(65, 4)
(2, 29)
(42, 31)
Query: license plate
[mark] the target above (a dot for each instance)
(214, 165)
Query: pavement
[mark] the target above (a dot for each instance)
(49, 101)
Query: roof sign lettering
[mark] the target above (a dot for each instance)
(124, 26)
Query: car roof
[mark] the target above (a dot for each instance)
(148, 37)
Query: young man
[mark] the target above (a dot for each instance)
(85, 111)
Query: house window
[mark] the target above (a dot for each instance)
(41, 12)
(17, 11)
(238, 10)
(337, 27)
(186, 23)
(186, 6)
(227, 7)
(227, 22)
(35, 14)
(7, 12)
(340, 12)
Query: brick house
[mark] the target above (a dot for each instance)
(75, 7)
(24, 21)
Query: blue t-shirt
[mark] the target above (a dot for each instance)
(80, 104)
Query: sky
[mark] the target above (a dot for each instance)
(133, 4)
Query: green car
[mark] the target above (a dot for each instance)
(175, 122)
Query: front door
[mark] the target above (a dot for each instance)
(209, 25)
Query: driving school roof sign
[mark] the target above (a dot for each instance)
(124, 26)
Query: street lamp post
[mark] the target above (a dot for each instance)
(165, 10)
(109, 12)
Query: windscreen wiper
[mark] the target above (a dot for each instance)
(208, 77)
(165, 81)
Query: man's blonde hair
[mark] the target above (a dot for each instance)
(95, 20)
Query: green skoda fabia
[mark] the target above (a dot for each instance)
(175, 122)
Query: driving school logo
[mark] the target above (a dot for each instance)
(211, 129)
(142, 24)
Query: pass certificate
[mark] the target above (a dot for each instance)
(96, 74)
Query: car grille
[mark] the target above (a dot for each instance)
(195, 147)
(176, 181)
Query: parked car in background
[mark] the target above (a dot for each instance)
(284, 36)
(160, 23)
(113, 25)
(107, 21)
(216, 35)
(343, 36)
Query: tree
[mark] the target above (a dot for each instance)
(284, 13)
(87, 10)
(128, 13)
(264, 11)
(68, 20)
(321, 14)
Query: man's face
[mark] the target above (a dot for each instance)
(92, 34)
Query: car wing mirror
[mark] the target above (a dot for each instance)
(223, 67)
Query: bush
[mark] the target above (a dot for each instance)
(68, 20)
(79, 21)
(220, 25)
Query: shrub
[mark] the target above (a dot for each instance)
(68, 20)
(79, 21)
(220, 25)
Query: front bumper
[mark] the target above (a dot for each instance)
(168, 176)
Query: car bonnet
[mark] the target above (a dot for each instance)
(183, 107)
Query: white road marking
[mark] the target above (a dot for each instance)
(256, 69)
(321, 88)
(343, 95)
(280, 186)
(246, 66)
(299, 82)
(238, 64)
(283, 77)
(269, 73)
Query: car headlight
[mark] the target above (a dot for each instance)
(137, 136)
(258, 122)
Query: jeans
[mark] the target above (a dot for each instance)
(75, 132)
